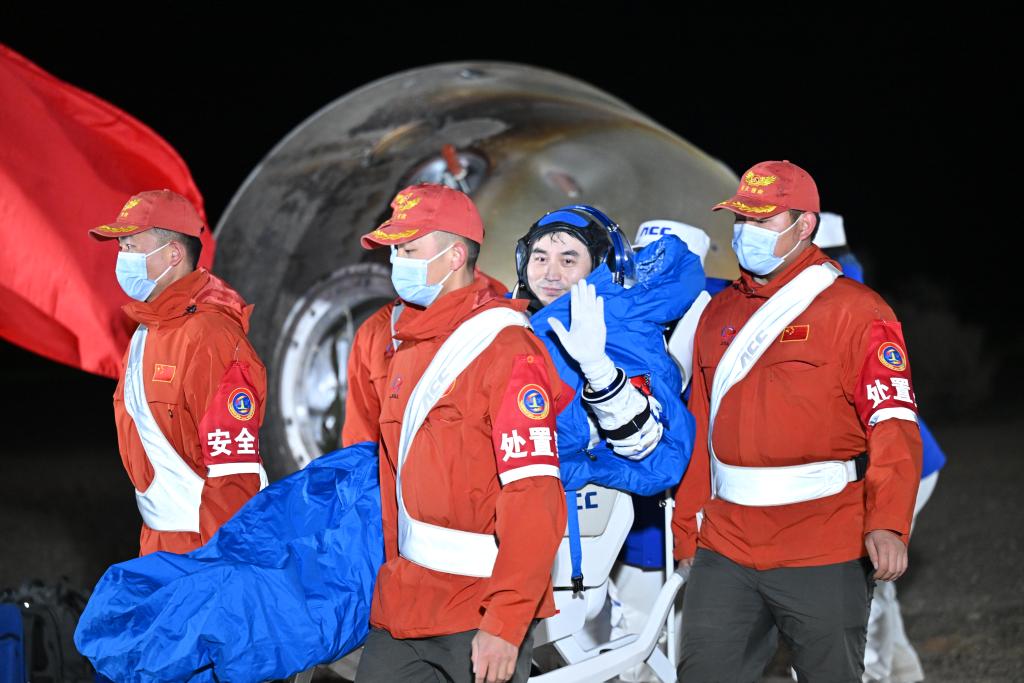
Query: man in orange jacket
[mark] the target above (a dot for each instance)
(468, 456)
(189, 404)
(807, 484)
(373, 346)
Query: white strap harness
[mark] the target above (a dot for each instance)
(680, 344)
(766, 486)
(435, 547)
(172, 500)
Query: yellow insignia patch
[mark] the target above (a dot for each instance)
(755, 180)
(110, 228)
(751, 209)
(132, 203)
(403, 204)
(381, 235)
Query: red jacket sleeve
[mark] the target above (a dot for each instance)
(884, 399)
(530, 509)
(225, 392)
(695, 488)
(367, 359)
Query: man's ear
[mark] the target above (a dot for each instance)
(809, 221)
(460, 253)
(177, 252)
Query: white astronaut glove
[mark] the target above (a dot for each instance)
(585, 338)
(642, 442)
(628, 419)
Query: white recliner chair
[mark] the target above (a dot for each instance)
(605, 517)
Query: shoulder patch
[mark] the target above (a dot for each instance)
(240, 404)
(892, 356)
(533, 402)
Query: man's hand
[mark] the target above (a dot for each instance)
(888, 554)
(683, 568)
(494, 659)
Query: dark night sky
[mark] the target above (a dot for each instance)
(885, 112)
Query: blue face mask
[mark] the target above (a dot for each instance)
(409, 276)
(132, 274)
(755, 247)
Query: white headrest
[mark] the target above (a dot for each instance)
(651, 231)
(830, 232)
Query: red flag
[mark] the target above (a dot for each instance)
(68, 162)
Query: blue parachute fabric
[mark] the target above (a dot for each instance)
(932, 457)
(669, 278)
(285, 584)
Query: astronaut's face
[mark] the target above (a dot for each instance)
(557, 262)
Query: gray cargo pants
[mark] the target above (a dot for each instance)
(732, 616)
(440, 659)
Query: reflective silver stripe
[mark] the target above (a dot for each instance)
(892, 414)
(171, 502)
(528, 471)
(764, 486)
(435, 547)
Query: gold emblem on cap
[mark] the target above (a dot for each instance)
(131, 204)
(381, 235)
(750, 209)
(759, 180)
(754, 184)
(403, 204)
(111, 228)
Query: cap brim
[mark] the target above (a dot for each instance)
(751, 208)
(388, 236)
(111, 231)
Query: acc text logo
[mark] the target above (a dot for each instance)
(533, 402)
(891, 356)
(241, 404)
(659, 230)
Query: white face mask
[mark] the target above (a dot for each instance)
(755, 247)
(133, 276)
(409, 276)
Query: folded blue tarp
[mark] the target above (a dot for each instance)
(284, 585)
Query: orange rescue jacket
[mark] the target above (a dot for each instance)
(477, 464)
(206, 389)
(822, 391)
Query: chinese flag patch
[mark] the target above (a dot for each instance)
(795, 333)
(163, 373)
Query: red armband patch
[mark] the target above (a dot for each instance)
(523, 433)
(885, 390)
(229, 431)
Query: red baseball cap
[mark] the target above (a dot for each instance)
(771, 187)
(422, 209)
(153, 209)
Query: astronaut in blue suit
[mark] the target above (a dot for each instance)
(642, 294)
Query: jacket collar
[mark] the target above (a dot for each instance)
(451, 310)
(199, 291)
(811, 256)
